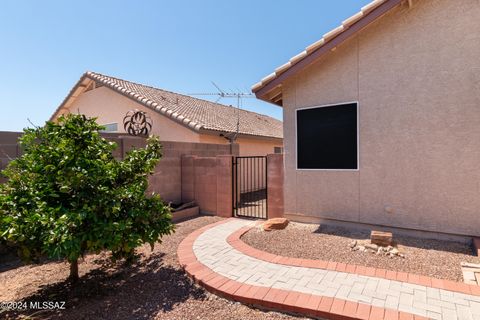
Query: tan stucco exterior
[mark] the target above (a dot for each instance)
(111, 107)
(416, 75)
(254, 146)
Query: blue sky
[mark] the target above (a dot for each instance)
(177, 45)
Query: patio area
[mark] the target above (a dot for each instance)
(217, 259)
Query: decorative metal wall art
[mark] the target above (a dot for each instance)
(137, 123)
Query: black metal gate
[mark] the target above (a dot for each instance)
(250, 187)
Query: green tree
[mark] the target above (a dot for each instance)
(67, 195)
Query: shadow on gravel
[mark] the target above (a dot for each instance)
(342, 232)
(9, 261)
(137, 291)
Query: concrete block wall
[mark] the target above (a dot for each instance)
(9, 149)
(205, 176)
(200, 172)
(224, 186)
(208, 181)
(187, 179)
(275, 205)
(167, 180)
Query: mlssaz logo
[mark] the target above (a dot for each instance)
(137, 123)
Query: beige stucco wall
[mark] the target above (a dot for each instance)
(111, 107)
(416, 75)
(248, 146)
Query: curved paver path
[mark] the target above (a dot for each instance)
(217, 258)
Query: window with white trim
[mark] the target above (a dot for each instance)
(110, 127)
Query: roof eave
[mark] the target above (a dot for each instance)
(77, 89)
(263, 91)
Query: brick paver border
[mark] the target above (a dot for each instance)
(292, 301)
(235, 241)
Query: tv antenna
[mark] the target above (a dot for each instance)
(228, 94)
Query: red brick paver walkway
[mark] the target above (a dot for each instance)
(218, 260)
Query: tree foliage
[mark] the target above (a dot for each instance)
(67, 194)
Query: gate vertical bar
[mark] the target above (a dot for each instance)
(252, 163)
(250, 187)
(255, 182)
(266, 187)
(234, 186)
(252, 192)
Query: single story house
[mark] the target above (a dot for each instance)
(174, 117)
(382, 119)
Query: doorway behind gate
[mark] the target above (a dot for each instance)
(250, 187)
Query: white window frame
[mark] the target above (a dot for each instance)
(106, 124)
(358, 135)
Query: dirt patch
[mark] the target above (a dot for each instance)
(434, 258)
(154, 287)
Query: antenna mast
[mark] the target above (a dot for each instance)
(224, 94)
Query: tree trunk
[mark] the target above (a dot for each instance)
(73, 271)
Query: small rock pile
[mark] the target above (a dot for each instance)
(367, 246)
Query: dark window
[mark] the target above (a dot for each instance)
(327, 137)
(277, 150)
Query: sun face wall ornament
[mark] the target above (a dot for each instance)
(137, 123)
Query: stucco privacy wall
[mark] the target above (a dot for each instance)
(9, 149)
(110, 107)
(208, 181)
(416, 75)
(167, 178)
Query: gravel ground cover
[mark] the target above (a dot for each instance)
(434, 258)
(154, 287)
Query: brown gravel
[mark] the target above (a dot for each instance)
(434, 258)
(153, 288)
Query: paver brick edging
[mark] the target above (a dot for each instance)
(235, 241)
(272, 298)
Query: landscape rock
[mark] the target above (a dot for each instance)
(186, 205)
(381, 238)
(366, 246)
(275, 224)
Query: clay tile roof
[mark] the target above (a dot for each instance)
(325, 40)
(197, 114)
